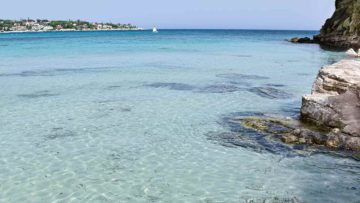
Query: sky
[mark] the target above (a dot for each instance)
(203, 14)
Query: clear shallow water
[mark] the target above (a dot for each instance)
(126, 117)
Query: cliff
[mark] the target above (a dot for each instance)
(342, 30)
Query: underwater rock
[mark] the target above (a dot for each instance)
(273, 200)
(274, 85)
(221, 88)
(38, 94)
(270, 93)
(292, 131)
(280, 135)
(238, 76)
(59, 133)
(172, 86)
(268, 125)
(254, 135)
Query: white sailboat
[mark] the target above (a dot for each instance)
(155, 29)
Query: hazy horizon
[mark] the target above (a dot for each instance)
(201, 14)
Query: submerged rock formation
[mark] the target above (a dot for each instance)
(330, 115)
(335, 103)
(342, 30)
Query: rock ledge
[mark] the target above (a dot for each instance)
(334, 103)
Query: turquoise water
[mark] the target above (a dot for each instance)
(138, 117)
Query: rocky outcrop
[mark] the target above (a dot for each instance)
(342, 30)
(302, 40)
(330, 115)
(334, 103)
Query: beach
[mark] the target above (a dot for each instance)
(141, 117)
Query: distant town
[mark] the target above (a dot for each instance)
(43, 25)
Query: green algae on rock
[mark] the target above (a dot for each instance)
(291, 131)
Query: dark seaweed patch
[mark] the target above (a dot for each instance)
(231, 139)
(274, 85)
(240, 136)
(238, 76)
(125, 109)
(60, 133)
(240, 83)
(251, 140)
(270, 93)
(35, 73)
(172, 86)
(274, 200)
(53, 72)
(291, 109)
(38, 94)
(222, 88)
(111, 87)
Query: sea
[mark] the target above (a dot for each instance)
(136, 116)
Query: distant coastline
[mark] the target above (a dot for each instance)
(15, 32)
(44, 25)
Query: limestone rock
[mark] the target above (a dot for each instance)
(335, 103)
